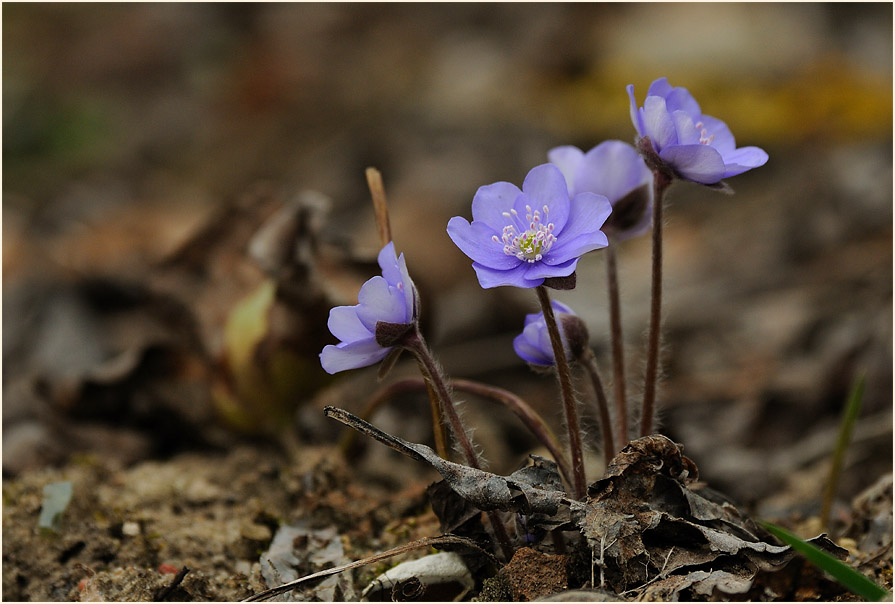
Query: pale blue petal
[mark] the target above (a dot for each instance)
(636, 117)
(353, 355)
(659, 87)
(475, 240)
(491, 201)
(567, 158)
(389, 263)
(379, 302)
(489, 277)
(723, 141)
(743, 159)
(344, 324)
(680, 99)
(543, 270)
(657, 123)
(687, 134)
(699, 163)
(526, 348)
(612, 169)
(545, 185)
(406, 286)
(587, 214)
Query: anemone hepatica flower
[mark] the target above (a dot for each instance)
(520, 238)
(533, 344)
(386, 299)
(696, 146)
(616, 170)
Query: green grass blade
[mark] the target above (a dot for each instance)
(849, 416)
(844, 574)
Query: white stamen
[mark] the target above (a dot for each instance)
(528, 244)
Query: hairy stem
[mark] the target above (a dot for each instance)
(439, 430)
(570, 407)
(434, 377)
(661, 181)
(590, 365)
(618, 355)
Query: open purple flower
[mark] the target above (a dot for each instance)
(533, 344)
(616, 170)
(388, 299)
(695, 146)
(520, 238)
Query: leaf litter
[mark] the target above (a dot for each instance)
(652, 529)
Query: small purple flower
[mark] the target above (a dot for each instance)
(385, 299)
(520, 238)
(616, 170)
(533, 344)
(695, 146)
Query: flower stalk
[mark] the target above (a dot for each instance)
(416, 345)
(618, 354)
(589, 360)
(570, 406)
(661, 181)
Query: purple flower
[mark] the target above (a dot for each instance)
(522, 237)
(616, 170)
(533, 344)
(695, 146)
(385, 299)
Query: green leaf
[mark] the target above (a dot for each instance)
(844, 574)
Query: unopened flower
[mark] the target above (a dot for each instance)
(693, 145)
(521, 238)
(386, 302)
(533, 344)
(616, 170)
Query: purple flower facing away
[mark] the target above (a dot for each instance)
(616, 170)
(696, 146)
(389, 299)
(520, 238)
(533, 344)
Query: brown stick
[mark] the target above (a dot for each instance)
(380, 207)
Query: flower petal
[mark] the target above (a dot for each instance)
(525, 346)
(475, 241)
(743, 159)
(699, 163)
(657, 123)
(543, 270)
(723, 141)
(491, 201)
(687, 134)
(389, 263)
(587, 213)
(612, 168)
(489, 277)
(680, 99)
(352, 355)
(567, 158)
(344, 324)
(636, 117)
(545, 185)
(379, 302)
(394, 270)
(659, 87)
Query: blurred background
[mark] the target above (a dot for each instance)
(149, 151)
